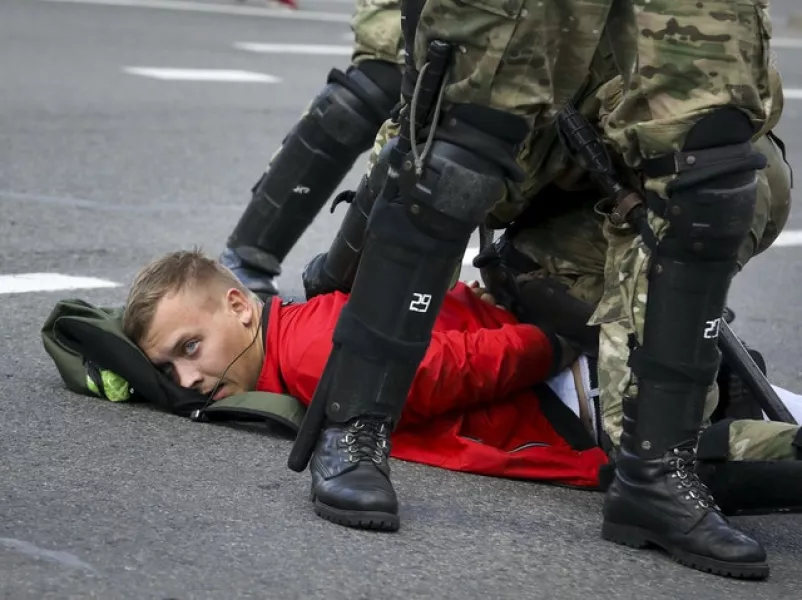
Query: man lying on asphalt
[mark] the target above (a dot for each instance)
(471, 408)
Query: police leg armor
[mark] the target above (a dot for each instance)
(316, 155)
(416, 238)
(748, 487)
(335, 270)
(656, 497)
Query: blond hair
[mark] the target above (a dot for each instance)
(171, 274)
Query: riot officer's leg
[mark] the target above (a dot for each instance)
(430, 203)
(415, 239)
(335, 269)
(339, 125)
(701, 202)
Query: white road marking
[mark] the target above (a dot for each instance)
(792, 94)
(220, 75)
(310, 49)
(786, 43)
(57, 556)
(287, 13)
(23, 283)
(788, 238)
(236, 10)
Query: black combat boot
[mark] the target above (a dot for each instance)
(659, 500)
(351, 476)
(257, 274)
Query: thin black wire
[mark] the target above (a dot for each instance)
(231, 364)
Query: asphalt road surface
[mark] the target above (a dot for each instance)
(103, 167)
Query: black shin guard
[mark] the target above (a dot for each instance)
(710, 211)
(656, 497)
(416, 238)
(315, 156)
(414, 243)
(336, 269)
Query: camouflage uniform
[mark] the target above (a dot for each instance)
(694, 87)
(579, 247)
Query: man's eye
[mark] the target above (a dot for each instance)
(191, 347)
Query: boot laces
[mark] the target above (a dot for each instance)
(683, 461)
(366, 439)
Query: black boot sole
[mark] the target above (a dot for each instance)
(359, 519)
(635, 537)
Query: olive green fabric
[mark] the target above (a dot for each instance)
(94, 358)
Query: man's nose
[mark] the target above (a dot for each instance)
(188, 376)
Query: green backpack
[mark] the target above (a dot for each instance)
(94, 358)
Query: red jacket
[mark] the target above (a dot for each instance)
(470, 408)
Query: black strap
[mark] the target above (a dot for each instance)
(562, 419)
(682, 161)
(714, 442)
(644, 365)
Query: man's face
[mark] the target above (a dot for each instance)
(195, 336)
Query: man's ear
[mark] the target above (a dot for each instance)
(240, 305)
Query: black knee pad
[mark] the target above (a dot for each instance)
(377, 85)
(493, 135)
(456, 184)
(465, 171)
(337, 268)
(711, 201)
(346, 114)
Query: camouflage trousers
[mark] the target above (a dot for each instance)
(606, 266)
(678, 61)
